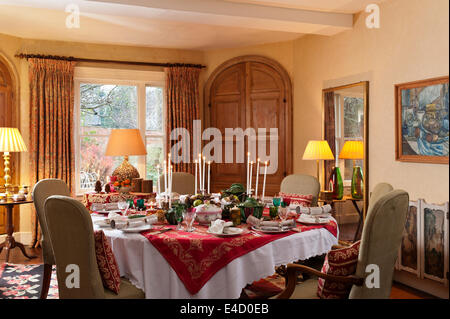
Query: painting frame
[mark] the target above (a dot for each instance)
(399, 152)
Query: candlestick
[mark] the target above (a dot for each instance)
(204, 175)
(200, 171)
(196, 169)
(170, 185)
(248, 163)
(209, 176)
(250, 178)
(257, 178)
(158, 186)
(264, 181)
(165, 179)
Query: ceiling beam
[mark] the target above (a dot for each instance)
(248, 15)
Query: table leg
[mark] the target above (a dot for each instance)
(360, 219)
(10, 242)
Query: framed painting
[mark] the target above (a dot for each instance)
(435, 241)
(422, 121)
(409, 257)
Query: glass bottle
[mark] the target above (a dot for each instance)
(357, 183)
(336, 183)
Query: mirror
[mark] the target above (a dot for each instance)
(345, 119)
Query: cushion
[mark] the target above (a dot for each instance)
(107, 264)
(338, 262)
(297, 199)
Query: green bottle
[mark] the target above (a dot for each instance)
(337, 186)
(357, 183)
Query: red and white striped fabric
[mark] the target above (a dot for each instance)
(297, 199)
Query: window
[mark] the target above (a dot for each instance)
(349, 110)
(116, 99)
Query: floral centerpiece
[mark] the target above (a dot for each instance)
(122, 186)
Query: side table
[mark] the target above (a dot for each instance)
(10, 242)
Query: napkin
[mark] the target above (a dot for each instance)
(304, 218)
(323, 211)
(269, 225)
(218, 225)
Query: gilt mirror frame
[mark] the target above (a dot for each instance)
(365, 87)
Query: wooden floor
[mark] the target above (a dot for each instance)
(399, 291)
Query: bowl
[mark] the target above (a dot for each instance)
(205, 217)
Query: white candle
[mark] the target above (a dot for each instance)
(165, 178)
(250, 178)
(195, 164)
(158, 186)
(170, 185)
(200, 170)
(203, 171)
(264, 181)
(248, 163)
(209, 176)
(257, 175)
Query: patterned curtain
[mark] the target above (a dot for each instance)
(330, 133)
(51, 124)
(182, 96)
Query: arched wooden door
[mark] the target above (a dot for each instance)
(250, 92)
(7, 119)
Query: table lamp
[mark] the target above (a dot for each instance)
(10, 141)
(354, 150)
(125, 142)
(318, 150)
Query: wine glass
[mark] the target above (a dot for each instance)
(189, 217)
(179, 217)
(283, 214)
(123, 206)
(276, 201)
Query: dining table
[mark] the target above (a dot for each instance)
(141, 261)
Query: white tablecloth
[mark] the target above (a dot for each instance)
(146, 268)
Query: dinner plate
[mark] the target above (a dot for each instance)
(136, 229)
(271, 231)
(241, 231)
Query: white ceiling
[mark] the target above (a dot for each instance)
(183, 24)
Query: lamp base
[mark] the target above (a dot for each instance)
(125, 171)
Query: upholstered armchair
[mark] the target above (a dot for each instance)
(381, 239)
(71, 234)
(182, 183)
(41, 191)
(301, 184)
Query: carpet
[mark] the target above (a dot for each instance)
(264, 288)
(25, 281)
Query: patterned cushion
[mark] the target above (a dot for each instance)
(338, 262)
(297, 199)
(109, 271)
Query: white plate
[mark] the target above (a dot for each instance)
(271, 231)
(136, 229)
(241, 231)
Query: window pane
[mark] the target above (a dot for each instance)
(154, 108)
(155, 156)
(353, 117)
(108, 106)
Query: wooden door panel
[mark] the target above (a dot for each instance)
(249, 94)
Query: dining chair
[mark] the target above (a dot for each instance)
(72, 237)
(182, 183)
(301, 184)
(41, 191)
(380, 241)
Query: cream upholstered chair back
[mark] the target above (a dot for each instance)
(72, 237)
(301, 184)
(182, 183)
(41, 191)
(379, 190)
(380, 241)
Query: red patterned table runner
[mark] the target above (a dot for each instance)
(90, 198)
(197, 256)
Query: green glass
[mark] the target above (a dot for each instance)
(276, 201)
(357, 183)
(273, 211)
(336, 183)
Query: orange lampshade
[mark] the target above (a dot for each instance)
(352, 150)
(125, 142)
(318, 150)
(11, 140)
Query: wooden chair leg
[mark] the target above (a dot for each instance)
(46, 281)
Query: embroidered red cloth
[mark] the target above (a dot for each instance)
(197, 256)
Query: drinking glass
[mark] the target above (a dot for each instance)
(287, 200)
(189, 217)
(179, 217)
(276, 201)
(283, 214)
(123, 206)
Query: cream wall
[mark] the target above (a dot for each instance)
(411, 44)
